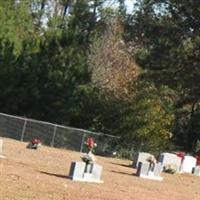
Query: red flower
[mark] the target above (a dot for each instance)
(90, 143)
(35, 141)
(181, 155)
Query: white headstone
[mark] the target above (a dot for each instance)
(170, 159)
(145, 170)
(96, 172)
(196, 171)
(157, 169)
(188, 164)
(141, 157)
(79, 171)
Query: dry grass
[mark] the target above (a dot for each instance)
(42, 175)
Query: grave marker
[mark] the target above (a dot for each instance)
(167, 159)
(77, 170)
(80, 171)
(196, 171)
(188, 164)
(145, 170)
(157, 169)
(141, 157)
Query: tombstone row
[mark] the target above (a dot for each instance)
(166, 161)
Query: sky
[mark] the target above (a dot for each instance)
(129, 4)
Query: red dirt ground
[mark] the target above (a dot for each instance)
(42, 175)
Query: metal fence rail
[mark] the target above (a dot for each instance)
(54, 135)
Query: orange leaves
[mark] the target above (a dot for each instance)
(113, 69)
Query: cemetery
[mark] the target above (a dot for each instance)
(99, 100)
(59, 174)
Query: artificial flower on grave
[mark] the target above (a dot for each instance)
(181, 155)
(89, 157)
(90, 144)
(151, 160)
(34, 143)
(170, 168)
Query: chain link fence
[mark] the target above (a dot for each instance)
(54, 135)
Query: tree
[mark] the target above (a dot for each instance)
(165, 35)
(113, 70)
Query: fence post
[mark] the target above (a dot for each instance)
(54, 134)
(82, 143)
(23, 130)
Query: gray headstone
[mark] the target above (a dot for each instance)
(77, 170)
(96, 171)
(141, 157)
(143, 168)
(196, 171)
(170, 159)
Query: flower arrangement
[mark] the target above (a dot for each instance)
(181, 155)
(34, 143)
(90, 144)
(152, 160)
(89, 157)
(170, 168)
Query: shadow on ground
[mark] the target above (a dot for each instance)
(123, 165)
(124, 173)
(56, 175)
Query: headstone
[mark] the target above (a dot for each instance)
(88, 168)
(196, 171)
(79, 171)
(157, 169)
(145, 170)
(141, 157)
(96, 172)
(188, 164)
(167, 159)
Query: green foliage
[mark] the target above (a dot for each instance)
(44, 70)
(166, 39)
(149, 120)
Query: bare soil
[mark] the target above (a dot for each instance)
(42, 175)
